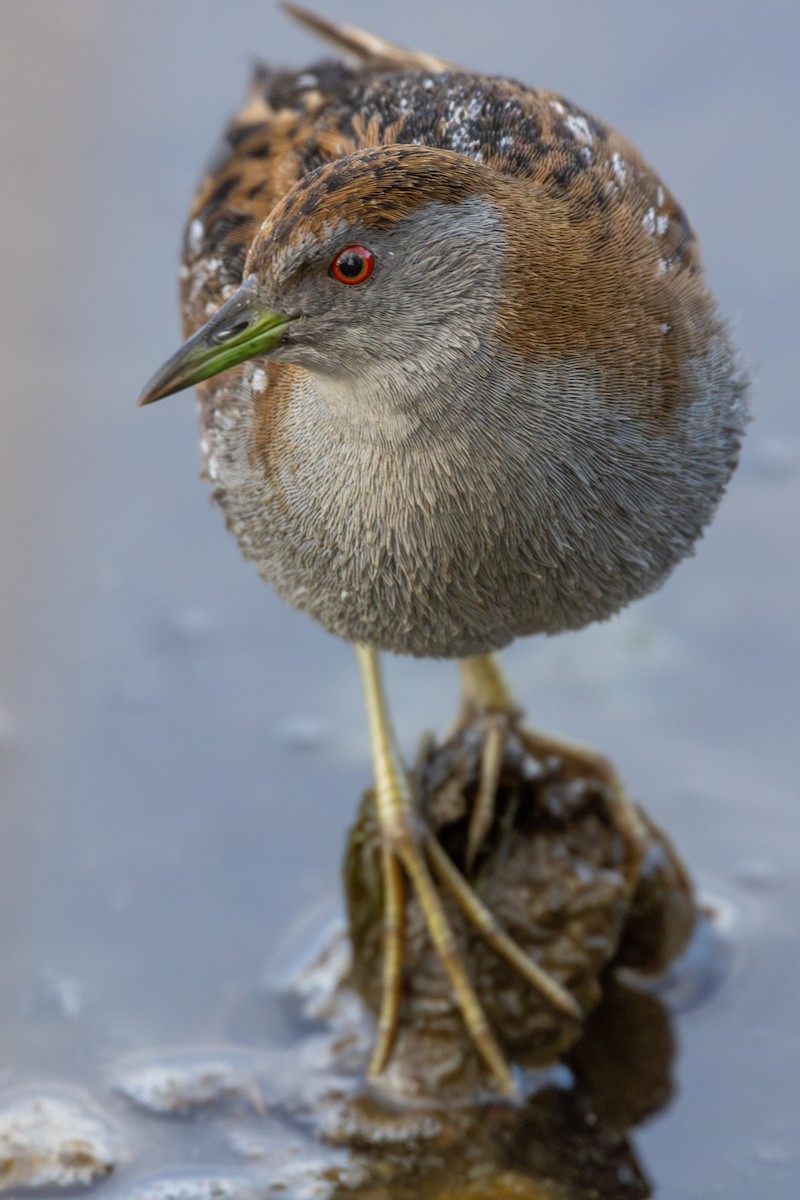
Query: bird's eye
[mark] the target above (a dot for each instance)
(354, 264)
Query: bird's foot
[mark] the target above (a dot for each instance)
(410, 850)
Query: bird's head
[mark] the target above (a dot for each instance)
(387, 261)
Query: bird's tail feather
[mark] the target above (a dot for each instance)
(367, 48)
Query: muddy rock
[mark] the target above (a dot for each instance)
(53, 1141)
(563, 879)
(179, 1082)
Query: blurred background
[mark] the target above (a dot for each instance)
(180, 754)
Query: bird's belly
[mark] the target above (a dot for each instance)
(453, 548)
(371, 586)
(452, 581)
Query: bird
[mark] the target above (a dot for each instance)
(461, 380)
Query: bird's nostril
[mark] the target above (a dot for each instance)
(223, 335)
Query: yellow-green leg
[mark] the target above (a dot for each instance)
(484, 690)
(409, 849)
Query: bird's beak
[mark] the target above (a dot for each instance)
(242, 328)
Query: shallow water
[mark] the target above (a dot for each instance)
(179, 753)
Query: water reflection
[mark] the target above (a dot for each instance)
(304, 1122)
(569, 1141)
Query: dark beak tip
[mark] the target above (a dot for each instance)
(155, 389)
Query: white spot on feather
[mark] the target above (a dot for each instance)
(656, 222)
(201, 272)
(195, 237)
(579, 128)
(461, 119)
(259, 379)
(620, 168)
(209, 458)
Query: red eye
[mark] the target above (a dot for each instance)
(354, 264)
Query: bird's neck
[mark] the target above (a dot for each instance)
(409, 403)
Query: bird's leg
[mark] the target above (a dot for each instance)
(405, 843)
(409, 848)
(485, 691)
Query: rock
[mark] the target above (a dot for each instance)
(201, 1186)
(53, 1141)
(179, 1082)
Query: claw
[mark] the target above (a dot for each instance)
(482, 815)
